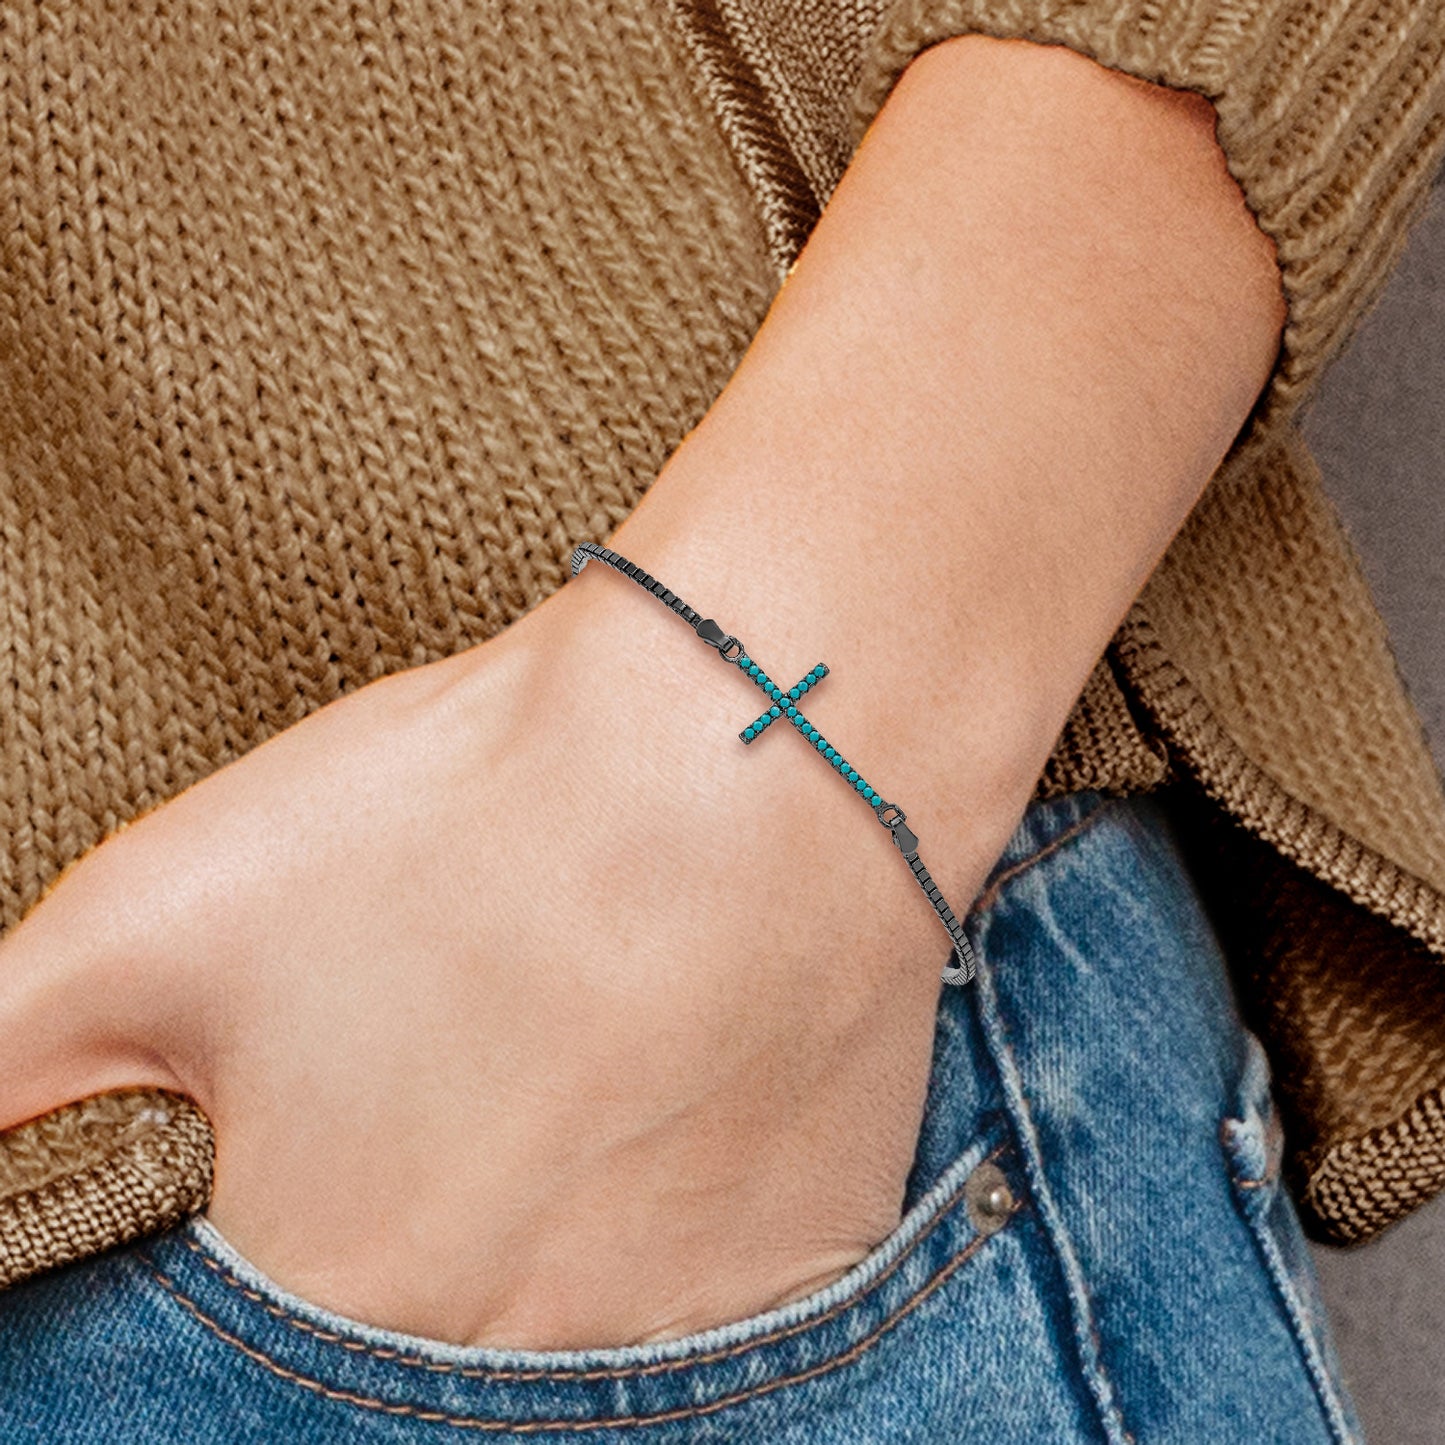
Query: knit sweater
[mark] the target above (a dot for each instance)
(328, 330)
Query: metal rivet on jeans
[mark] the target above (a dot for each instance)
(988, 1198)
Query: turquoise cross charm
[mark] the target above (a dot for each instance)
(784, 704)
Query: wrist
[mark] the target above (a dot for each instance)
(630, 686)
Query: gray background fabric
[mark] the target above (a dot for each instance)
(1377, 426)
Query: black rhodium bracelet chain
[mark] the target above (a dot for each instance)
(783, 705)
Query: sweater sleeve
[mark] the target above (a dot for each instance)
(1331, 117)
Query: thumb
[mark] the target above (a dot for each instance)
(83, 1009)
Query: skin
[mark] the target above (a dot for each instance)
(529, 1006)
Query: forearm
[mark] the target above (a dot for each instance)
(1017, 345)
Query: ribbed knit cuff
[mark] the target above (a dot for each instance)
(1331, 119)
(102, 1171)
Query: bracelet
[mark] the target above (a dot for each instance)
(784, 705)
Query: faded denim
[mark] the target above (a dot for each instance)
(1096, 1245)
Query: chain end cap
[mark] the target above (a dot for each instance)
(714, 636)
(959, 974)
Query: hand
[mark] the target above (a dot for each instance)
(518, 1022)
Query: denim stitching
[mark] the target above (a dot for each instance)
(614, 1372)
(523, 1427)
(989, 896)
(1086, 1336)
(1326, 1392)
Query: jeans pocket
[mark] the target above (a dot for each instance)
(292, 1361)
(1252, 1134)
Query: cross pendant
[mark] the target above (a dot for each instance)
(785, 706)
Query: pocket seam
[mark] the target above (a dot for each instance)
(1325, 1390)
(1255, 1096)
(391, 1407)
(609, 1372)
(990, 895)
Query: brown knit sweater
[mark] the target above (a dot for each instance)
(328, 330)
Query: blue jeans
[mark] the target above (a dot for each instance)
(1096, 1245)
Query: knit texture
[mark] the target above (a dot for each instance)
(328, 330)
(102, 1170)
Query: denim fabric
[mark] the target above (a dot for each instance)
(1096, 1244)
